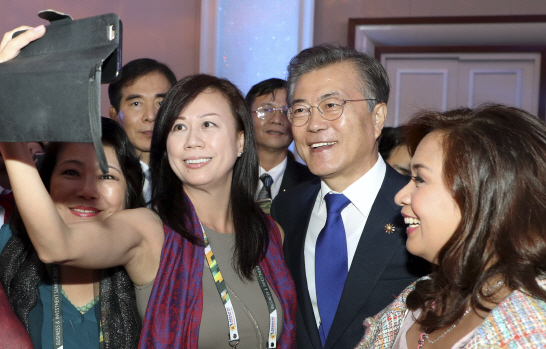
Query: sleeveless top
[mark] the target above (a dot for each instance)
(142, 294)
(248, 302)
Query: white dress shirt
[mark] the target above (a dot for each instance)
(147, 187)
(277, 174)
(362, 194)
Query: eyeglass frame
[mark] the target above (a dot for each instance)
(257, 111)
(321, 113)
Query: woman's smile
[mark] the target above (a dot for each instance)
(412, 222)
(84, 211)
(197, 162)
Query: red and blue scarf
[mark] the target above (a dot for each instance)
(174, 310)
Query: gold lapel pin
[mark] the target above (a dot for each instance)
(389, 228)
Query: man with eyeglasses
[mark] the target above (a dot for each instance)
(344, 236)
(278, 169)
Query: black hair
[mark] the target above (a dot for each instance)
(132, 71)
(264, 88)
(391, 137)
(251, 234)
(372, 77)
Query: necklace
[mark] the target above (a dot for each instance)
(57, 308)
(84, 308)
(424, 335)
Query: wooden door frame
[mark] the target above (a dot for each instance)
(540, 49)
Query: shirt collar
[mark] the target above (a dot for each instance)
(144, 166)
(369, 183)
(276, 172)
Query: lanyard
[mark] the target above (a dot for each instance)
(272, 342)
(57, 309)
(230, 312)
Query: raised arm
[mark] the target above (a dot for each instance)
(132, 238)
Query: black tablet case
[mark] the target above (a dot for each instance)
(51, 90)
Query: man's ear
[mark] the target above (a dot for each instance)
(113, 113)
(380, 116)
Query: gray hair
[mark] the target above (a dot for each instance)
(373, 79)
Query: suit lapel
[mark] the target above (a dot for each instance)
(297, 259)
(374, 251)
(289, 178)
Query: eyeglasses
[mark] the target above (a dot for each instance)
(330, 109)
(264, 112)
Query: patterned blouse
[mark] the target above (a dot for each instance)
(519, 321)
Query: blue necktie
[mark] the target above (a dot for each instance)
(331, 265)
(265, 193)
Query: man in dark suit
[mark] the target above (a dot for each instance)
(344, 235)
(278, 169)
(294, 174)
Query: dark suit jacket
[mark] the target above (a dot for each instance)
(380, 270)
(294, 174)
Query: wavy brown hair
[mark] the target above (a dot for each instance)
(495, 168)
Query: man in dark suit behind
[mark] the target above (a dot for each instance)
(337, 98)
(267, 102)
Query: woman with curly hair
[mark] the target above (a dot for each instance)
(475, 208)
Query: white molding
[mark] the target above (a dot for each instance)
(474, 72)
(443, 72)
(208, 43)
(364, 44)
(461, 34)
(512, 56)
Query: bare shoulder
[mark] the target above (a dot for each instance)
(147, 224)
(140, 219)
